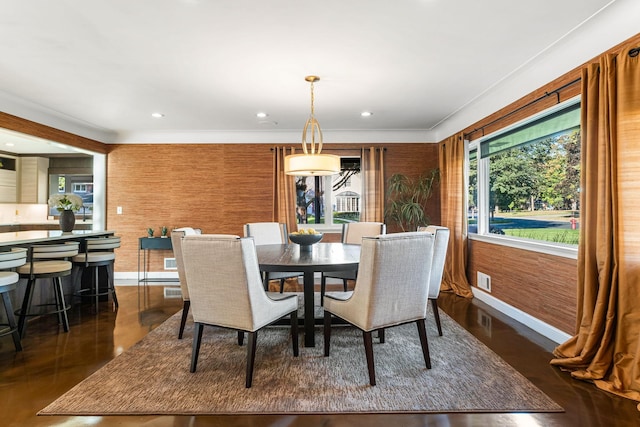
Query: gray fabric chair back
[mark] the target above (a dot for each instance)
(267, 233)
(176, 244)
(225, 287)
(353, 232)
(441, 244)
(391, 287)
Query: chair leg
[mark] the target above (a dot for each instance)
(195, 349)
(436, 314)
(96, 286)
(294, 333)
(26, 303)
(8, 307)
(327, 332)
(251, 357)
(240, 338)
(381, 335)
(323, 287)
(282, 285)
(185, 313)
(422, 331)
(62, 306)
(344, 284)
(111, 284)
(368, 349)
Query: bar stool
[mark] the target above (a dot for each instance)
(98, 252)
(47, 262)
(8, 282)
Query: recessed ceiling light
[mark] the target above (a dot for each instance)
(366, 114)
(261, 115)
(9, 144)
(157, 115)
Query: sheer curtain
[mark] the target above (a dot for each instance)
(284, 194)
(453, 215)
(606, 347)
(372, 160)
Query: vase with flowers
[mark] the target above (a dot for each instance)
(66, 204)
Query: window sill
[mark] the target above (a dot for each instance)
(557, 249)
(323, 228)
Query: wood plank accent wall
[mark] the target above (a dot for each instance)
(215, 187)
(539, 284)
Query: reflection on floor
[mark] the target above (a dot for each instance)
(52, 362)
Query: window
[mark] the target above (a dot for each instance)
(328, 201)
(524, 181)
(81, 185)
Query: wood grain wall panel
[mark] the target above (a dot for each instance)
(248, 180)
(215, 187)
(541, 285)
(413, 160)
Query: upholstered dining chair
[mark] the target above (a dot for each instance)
(225, 288)
(176, 244)
(352, 233)
(270, 233)
(441, 235)
(391, 289)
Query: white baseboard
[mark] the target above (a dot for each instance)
(132, 275)
(551, 332)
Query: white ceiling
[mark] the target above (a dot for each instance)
(425, 68)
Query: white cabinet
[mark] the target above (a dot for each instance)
(7, 186)
(34, 179)
(8, 180)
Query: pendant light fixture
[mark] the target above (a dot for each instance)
(312, 162)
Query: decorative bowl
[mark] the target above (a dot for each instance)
(305, 240)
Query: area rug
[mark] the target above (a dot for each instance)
(153, 378)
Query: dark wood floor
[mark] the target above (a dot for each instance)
(52, 362)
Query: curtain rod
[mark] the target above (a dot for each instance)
(528, 104)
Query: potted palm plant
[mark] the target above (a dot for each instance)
(407, 199)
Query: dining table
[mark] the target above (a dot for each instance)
(319, 257)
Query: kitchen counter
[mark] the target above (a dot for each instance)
(19, 238)
(44, 225)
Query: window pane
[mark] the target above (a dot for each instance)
(346, 189)
(534, 189)
(330, 200)
(559, 123)
(473, 191)
(309, 200)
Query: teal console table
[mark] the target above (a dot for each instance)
(146, 244)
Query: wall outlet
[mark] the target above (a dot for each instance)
(484, 282)
(119, 210)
